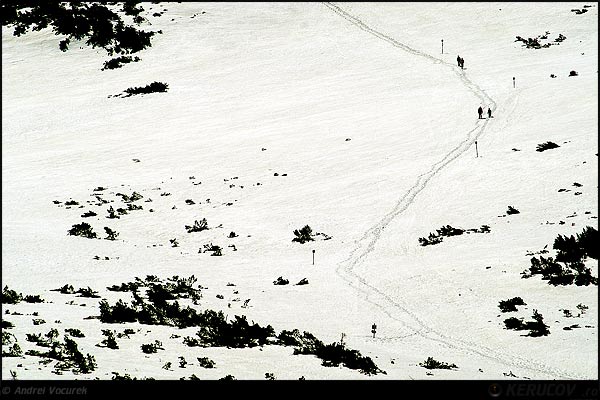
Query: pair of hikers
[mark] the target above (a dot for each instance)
(480, 112)
(461, 62)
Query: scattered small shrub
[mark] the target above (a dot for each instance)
(303, 235)
(33, 299)
(510, 304)
(67, 289)
(206, 362)
(13, 351)
(174, 242)
(111, 213)
(71, 203)
(110, 234)
(228, 378)
(167, 365)
(303, 281)
(154, 87)
(88, 214)
(84, 229)
(38, 321)
(512, 210)
(118, 62)
(182, 362)
(109, 340)
(74, 332)
(280, 281)
(88, 292)
(269, 376)
(546, 146)
(431, 363)
(573, 73)
(232, 234)
(7, 324)
(152, 347)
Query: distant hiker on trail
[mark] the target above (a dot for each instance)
(480, 111)
(373, 329)
(489, 112)
(462, 63)
(458, 60)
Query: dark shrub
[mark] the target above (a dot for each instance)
(514, 323)
(573, 73)
(546, 146)
(67, 289)
(303, 281)
(154, 87)
(120, 312)
(152, 347)
(430, 363)
(109, 340)
(118, 62)
(280, 281)
(510, 304)
(206, 362)
(568, 248)
(84, 229)
(511, 210)
(198, 226)
(537, 326)
(88, 214)
(7, 324)
(88, 292)
(10, 296)
(33, 299)
(110, 234)
(74, 332)
(303, 235)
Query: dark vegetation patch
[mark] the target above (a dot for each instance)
(118, 62)
(303, 281)
(536, 327)
(206, 362)
(161, 307)
(66, 289)
(83, 229)
(154, 87)
(281, 281)
(110, 234)
(198, 226)
(510, 304)
(535, 43)
(431, 363)
(10, 296)
(74, 332)
(332, 354)
(546, 146)
(511, 210)
(33, 299)
(209, 247)
(67, 354)
(303, 235)
(447, 231)
(109, 340)
(7, 324)
(568, 267)
(88, 214)
(95, 23)
(151, 348)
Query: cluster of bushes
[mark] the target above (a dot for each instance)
(511, 210)
(431, 363)
(534, 43)
(128, 199)
(216, 250)
(206, 362)
(96, 23)
(118, 62)
(568, 267)
(281, 281)
(9, 340)
(536, 327)
(216, 330)
(332, 354)
(510, 304)
(109, 340)
(74, 332)
(66, 353)
(435, 238)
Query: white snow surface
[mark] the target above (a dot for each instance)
(298, 80)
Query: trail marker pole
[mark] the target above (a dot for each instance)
(442, 46)
(476, 151)
(313, 257)
(514, 82)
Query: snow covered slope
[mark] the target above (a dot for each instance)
(344, 117)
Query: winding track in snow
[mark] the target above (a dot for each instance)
(366, 244)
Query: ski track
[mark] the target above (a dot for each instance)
(366, 244)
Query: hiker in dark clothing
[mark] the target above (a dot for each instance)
(458, 60)
(480, 111)
(489, 112)
(462, 63)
